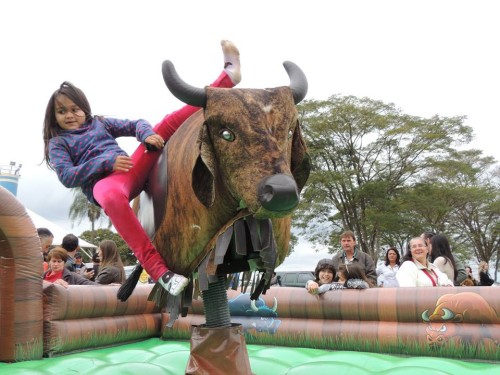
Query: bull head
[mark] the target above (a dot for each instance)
(264, 309)
(250, 143)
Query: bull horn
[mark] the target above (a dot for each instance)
(252, 305)
(275, 305)
(448, 314)
(181, 90)
(425, 316)
(298, 81)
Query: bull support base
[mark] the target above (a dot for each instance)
(218, 351)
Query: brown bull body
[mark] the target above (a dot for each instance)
(218, 165)
(233, 174)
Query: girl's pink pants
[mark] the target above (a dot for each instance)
(114, 192)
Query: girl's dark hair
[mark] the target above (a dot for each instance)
(50, 126)
(324, 264)
(407, 255)
(354, 271)
(111, 257)
(398, 256)
(428, 235)
(441, 248)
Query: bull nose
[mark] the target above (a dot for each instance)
(278, 193)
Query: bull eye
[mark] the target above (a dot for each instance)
(227, 135)
(290, 133)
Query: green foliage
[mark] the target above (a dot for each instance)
(127, 256)
(91, 340)
(81, 208)
(30, 350)
(389, 176)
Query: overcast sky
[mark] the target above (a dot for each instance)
(426, 57)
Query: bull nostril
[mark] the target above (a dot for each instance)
(267, 194)
(278, 193)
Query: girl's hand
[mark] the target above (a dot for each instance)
(312, 287)
(154, 140)
(123, 163)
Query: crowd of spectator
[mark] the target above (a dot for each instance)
(428, 261)
(64, 264)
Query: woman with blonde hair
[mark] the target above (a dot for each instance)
(484, 277)
(111, 269)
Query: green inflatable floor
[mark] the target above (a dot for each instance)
(156, 357)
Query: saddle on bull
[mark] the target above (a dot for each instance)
(218, 202)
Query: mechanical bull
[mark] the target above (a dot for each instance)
(220, 198)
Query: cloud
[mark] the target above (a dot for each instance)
(381, 50)
(304, 258)
(40, 191)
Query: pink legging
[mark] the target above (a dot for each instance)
(114, 192)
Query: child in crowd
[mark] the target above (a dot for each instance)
(471, 280)
(82, 149)
(59, 274)
(324, 275)
(352, 276)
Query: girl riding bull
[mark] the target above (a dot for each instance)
(82, 149)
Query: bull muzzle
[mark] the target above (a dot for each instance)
(278, 193)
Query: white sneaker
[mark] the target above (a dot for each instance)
(173, 283)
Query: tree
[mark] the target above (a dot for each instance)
(81, 208)
(127, 256)
(365, 153)
(431, 206)
(476, 215)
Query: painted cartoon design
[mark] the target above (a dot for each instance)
(254, 315)
(449, 322)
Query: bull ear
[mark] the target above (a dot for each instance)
(301, 162)
(203, 176)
